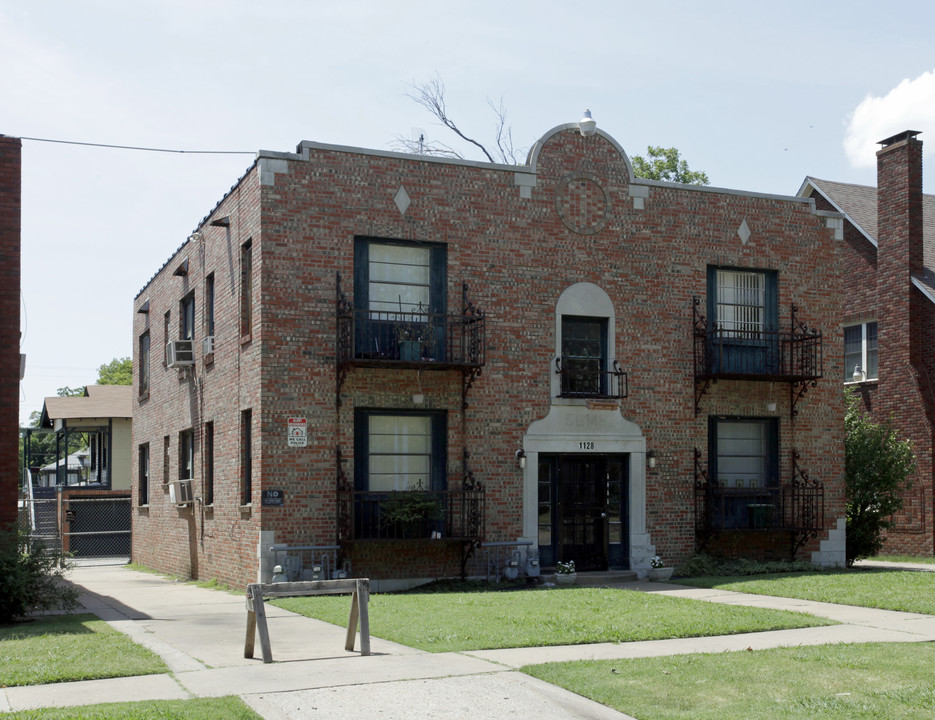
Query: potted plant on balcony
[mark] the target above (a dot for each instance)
(415, 336)
(658, 571)
(409, 513)
(565, 573)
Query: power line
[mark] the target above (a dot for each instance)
(144, 149)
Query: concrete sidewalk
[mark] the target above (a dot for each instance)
(200, 635)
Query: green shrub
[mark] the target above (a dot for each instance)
(877, 468)
(30, 578)
(702, 565)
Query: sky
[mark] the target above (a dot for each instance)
(757, 95)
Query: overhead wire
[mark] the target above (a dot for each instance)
(140, 148)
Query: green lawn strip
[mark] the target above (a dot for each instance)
(443, 622)
(903, 590)
(828, 682)
(223, 708)
(926, 560)
(62, 648)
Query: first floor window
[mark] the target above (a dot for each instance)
(861, 356)
(144, 475)
(400, 450)
(744, 459)
(186, 455)
(209, 463)
(246, 457)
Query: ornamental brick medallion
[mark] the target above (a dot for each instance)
(581, 203)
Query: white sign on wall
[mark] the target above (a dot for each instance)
(298, 432)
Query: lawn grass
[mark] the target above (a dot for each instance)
(443, 622)
(827, 682)
(903, 590)
(223, 708)
(62, 648)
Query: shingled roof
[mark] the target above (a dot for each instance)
(99, 401)
(859, 204)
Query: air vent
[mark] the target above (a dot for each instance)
(207, 345)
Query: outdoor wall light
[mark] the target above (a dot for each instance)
(651, 458)
(858, 374)
(521, 459)
(586, 126)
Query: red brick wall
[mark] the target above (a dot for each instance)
(905, 377)
(517, 256)
(10, 219)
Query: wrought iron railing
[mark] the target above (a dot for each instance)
(797, 507)
(412, 514)
(583, 378)
(762, 353)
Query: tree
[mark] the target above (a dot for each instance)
(665, 164)
(877, 468)
(118, 371)
(431, 96)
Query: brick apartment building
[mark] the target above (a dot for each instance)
(10, 224)
(401, 357)
(889, 313)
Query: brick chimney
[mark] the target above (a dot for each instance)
(899, 251)
(10, 219)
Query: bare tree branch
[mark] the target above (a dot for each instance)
(431, 96)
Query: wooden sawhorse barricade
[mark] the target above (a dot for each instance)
(359, 589)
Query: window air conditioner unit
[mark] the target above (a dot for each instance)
(207, 345)
(180, 492)
(179, 353)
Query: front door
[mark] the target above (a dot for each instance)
(582, 510)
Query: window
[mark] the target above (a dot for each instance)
(860, 352)
(740, 303)
(165, 460)
(209, 305)
(187, 317)
(144, 474)
(743, 337)
(400, 297)
(400, 450)
(584, 356)
(246, 288)
(165, 337)
(246, 457)
(744, 459)
(186, 455)
(209, 463)
(144, 364)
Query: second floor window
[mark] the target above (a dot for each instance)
(144, 364)
(740, 303)
(584, 356)
(209, 305)
(861, 356)
(187, 317)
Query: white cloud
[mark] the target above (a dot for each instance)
(908, 106)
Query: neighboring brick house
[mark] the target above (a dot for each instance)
(889, 313)
(556, 353)
(10, 363)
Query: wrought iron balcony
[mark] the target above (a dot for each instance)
(410, 338)
(412, 514)
(583, 378)
(762, 353)
(797, 507)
